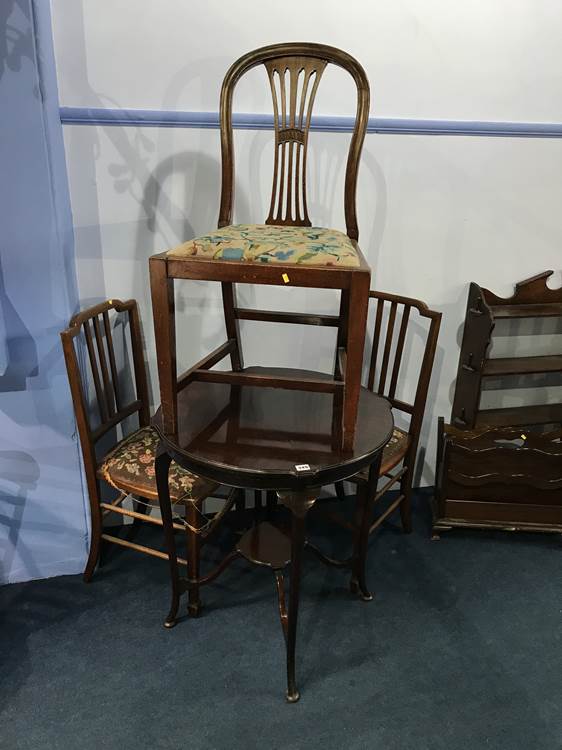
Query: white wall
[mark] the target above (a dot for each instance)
(434, 212)
(483, 60)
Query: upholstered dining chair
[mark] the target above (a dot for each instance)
(398, 322)
(285, 250)
(128, 465)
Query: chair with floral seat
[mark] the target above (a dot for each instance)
(286, 250)
(128, 466)
(401, 325)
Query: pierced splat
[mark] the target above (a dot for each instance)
(294, 71)
(294, 83)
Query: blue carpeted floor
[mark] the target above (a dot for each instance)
(461, 648)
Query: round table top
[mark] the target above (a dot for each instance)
(272, 438)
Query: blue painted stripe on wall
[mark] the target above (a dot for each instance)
(168, 119)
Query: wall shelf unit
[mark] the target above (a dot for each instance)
(492, 471)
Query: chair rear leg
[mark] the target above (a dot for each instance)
(406, 504)
(232, 323)
(144, 506)
(271, 502)
(95, 542)
(363, 515)
(258, 506)
(193, 518)
(240, 508)
(340, 490)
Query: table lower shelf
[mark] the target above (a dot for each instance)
(266, 545)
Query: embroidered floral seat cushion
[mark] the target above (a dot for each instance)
(394, 451)
(262, 243)
(130, 467)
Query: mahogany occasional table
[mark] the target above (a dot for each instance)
(253, 437)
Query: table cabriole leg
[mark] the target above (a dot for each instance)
(358, 584)
(280, 585)
(297, 544)
(299, 503)
(162, 466)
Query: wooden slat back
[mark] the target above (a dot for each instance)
(388, 349)
(294, 72)
(114, 376)
(95, 325)
(107, 386)
(294, 83)
(102, 406)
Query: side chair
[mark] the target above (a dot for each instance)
(394, 325)
(128, 466)
(285, 250)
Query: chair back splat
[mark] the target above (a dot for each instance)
(294, 72)
(96, 326)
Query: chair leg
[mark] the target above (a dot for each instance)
(140, 505)
(240, 511)
(366, 494)
(340, 490)
(355, 340)
(358, 583)
(193, 558)
(258, 506)
(270, 501)
(240, 502)
(406, 504)
(163, 311)
(95, 541)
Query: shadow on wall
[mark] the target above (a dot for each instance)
(21, 472)
(131, 172)
(187, 173)
(163, 220)
(19, 360)
(15, 44)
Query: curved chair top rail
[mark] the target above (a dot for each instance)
(420, 306)
(302, 63)
(91, 312)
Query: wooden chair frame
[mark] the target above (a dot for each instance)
(367, 492)
(94, 323)
(303, 62)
